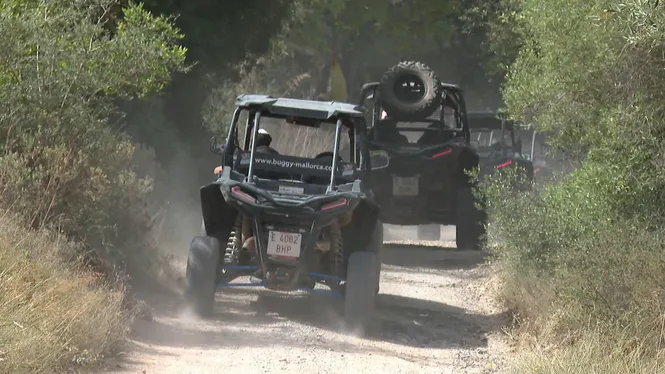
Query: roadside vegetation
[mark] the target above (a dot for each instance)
(70, 199)
(106, 108)
(102, 147)
(582, 261)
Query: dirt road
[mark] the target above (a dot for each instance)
(433, 316)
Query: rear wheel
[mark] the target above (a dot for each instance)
(201, 273)
(429, 232)
(360, 292)
(470, 226)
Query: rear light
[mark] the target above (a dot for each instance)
(509, 162)
(441, 154)
(236, 191)
(536, 170)
(335, 204)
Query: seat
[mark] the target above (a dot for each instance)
(386, 131)
(315, 179)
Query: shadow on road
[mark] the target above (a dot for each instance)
(261, 318)
(400, 320)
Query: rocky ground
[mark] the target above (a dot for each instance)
(434, 315)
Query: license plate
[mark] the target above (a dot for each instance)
(284, 244)
(405, 186)
(291, 190)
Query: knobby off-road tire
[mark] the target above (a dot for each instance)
(376, 247)
(395, 106)
(360, 293)
(429, 232)
(470, 226)
(201, 273)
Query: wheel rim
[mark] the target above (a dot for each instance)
(409, 88)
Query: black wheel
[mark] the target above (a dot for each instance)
(376, 246)
(410, 89)
(470, 225)
(201, 273)
(429, 232)
(360, 292)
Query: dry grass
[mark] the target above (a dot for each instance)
(551, 337)
(53, 317)
(593, 353)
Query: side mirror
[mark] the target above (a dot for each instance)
(378, 160)
(216, 147)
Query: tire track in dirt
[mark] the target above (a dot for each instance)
(433, 316)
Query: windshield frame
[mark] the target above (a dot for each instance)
(358, 155)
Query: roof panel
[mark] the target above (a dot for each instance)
(299, 107)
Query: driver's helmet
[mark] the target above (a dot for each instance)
(384, 115)
(263, 138)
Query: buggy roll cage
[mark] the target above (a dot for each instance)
(531, 127)
(506, 125)
(451, 92)
(258, 105)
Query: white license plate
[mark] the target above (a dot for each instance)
(405, 186)
(284, 244)
(291, 190)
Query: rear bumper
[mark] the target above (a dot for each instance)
(405, 214)
(432, 204)
(283, 267)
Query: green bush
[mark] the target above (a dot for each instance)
(585, 257)
(69, 175)
(62, 162)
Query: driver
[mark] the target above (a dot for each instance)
(386, 130)
(497, 147)
(263, 141)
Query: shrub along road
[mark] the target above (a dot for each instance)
(434, 315)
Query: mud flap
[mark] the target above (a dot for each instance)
(218, 216)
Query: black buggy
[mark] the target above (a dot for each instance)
(544, 159)
(420, 125)
(499, 145)
(296, 220)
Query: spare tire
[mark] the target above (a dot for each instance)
(409, 90)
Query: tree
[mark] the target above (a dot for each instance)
(366, 36)
(218, 35)
(62, 68)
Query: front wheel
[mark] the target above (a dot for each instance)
(360, 291)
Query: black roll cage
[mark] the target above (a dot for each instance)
(451, 92)
(359, 157)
